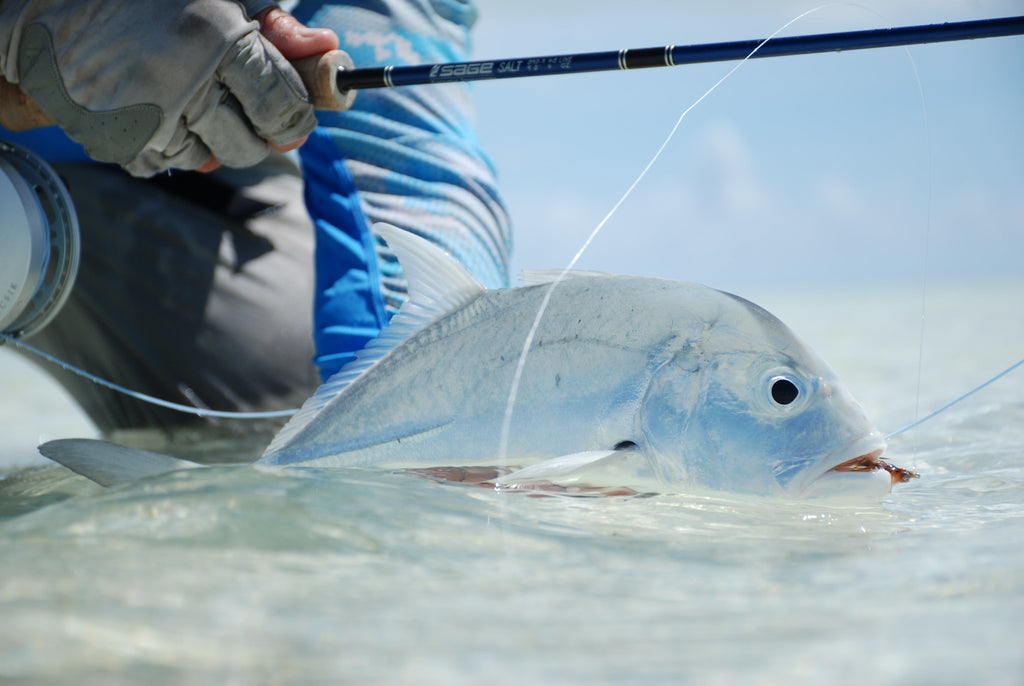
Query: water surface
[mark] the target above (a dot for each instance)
(245, 575)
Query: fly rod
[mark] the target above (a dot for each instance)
(332, 79)
(674, 55)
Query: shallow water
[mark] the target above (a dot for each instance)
(244, 575)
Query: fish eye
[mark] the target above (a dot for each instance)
(784, 391)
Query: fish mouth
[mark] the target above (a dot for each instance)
(865, 475)
(872, 462)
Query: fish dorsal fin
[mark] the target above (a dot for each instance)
(538, 277)
(438, 285)
(109, 464)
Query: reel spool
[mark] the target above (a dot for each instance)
(39, 242)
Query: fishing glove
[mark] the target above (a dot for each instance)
(156, 85)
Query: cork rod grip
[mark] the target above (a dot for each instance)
(18, 112)
(320, 74)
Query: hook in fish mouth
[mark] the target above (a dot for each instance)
(871, 462)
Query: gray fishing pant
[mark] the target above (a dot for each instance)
(196, 289)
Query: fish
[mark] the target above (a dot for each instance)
(636, 383)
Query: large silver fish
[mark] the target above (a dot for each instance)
(633, 382)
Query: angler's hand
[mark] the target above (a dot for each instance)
(186, 84)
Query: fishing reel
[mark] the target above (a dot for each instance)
(39, 242)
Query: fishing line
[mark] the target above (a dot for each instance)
(531, 335)
(953, 402)
(528, 343)
(926, 239)
(188, 409)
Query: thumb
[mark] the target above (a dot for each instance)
(292, 38)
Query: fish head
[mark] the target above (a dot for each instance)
(745, 406)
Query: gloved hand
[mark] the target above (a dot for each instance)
(156, 85)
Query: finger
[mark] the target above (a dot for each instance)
(209, 165)
(217, 118)
(292, 38)
(273, 97)
(185, 150)
(290, 146)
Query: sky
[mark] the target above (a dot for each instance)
(875, 166)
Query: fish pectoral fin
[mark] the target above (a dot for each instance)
(109, 464)
(438, 286)
(563, 468)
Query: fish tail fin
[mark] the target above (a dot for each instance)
(109, 464)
